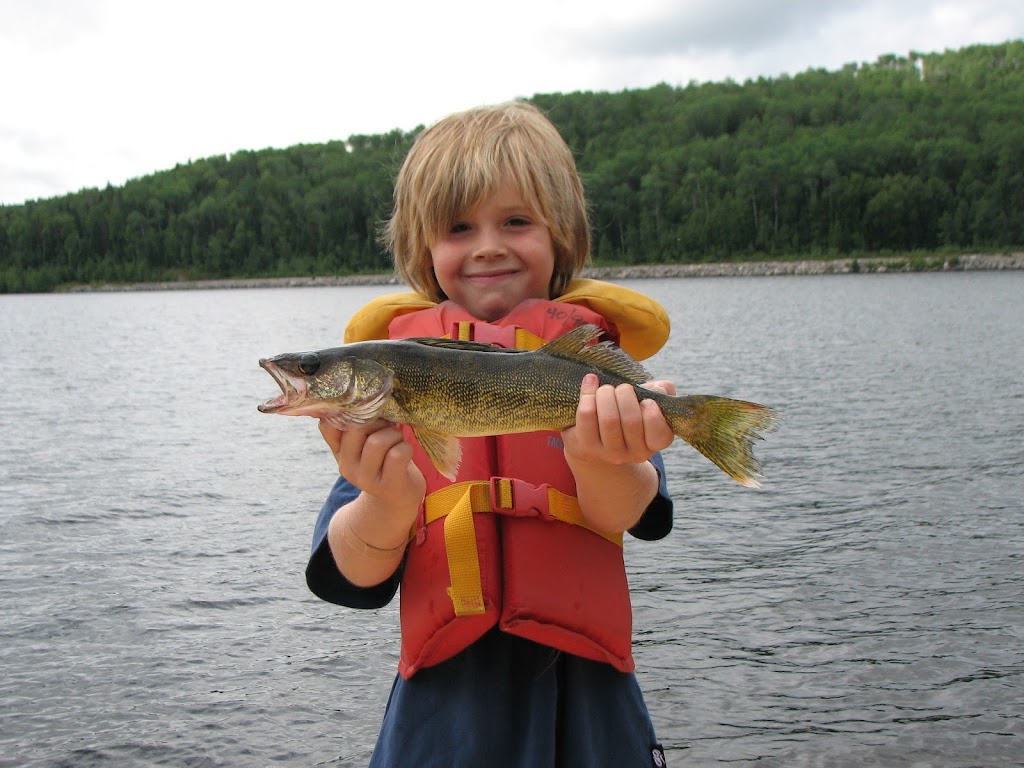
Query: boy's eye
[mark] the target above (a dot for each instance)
(458, 227)
(518, 221)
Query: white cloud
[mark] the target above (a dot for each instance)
(102, 91)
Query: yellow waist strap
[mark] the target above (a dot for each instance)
(457, 503)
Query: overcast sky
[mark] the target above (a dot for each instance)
(98, 91)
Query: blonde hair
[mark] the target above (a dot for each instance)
(463, 158)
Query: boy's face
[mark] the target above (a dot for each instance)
(495, 256)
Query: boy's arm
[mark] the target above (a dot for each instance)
(322, 574)
(367, 536)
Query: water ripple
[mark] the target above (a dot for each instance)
(863, 609)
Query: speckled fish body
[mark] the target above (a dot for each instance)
(445, 389)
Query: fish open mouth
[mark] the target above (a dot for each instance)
(292, 388)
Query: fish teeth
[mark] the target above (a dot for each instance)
(292, 388)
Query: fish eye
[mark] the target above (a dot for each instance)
(309, 363)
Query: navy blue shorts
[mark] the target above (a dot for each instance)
(506, 702)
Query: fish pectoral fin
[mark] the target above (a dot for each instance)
(604, 355)
(363, 412)
(369, 409)
(443, 450)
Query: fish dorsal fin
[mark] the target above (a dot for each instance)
(458, 344)
(604, 355)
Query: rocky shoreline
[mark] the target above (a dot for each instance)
(965, 263)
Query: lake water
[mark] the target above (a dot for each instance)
(866, 608)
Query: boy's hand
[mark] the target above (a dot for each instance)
(377, 460)
(613, 426)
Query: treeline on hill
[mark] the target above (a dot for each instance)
(917, 152)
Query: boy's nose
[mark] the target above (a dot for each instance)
(489, 243)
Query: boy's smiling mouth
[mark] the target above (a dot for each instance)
(496, 274)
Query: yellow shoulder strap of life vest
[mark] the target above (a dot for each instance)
(371, 321)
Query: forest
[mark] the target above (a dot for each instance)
(907, 153)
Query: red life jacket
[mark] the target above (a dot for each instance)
(505, 543)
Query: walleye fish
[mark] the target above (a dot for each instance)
(445, 389)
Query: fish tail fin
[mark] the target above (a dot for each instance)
(723, 430)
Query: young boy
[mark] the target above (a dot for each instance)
(515, 612)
